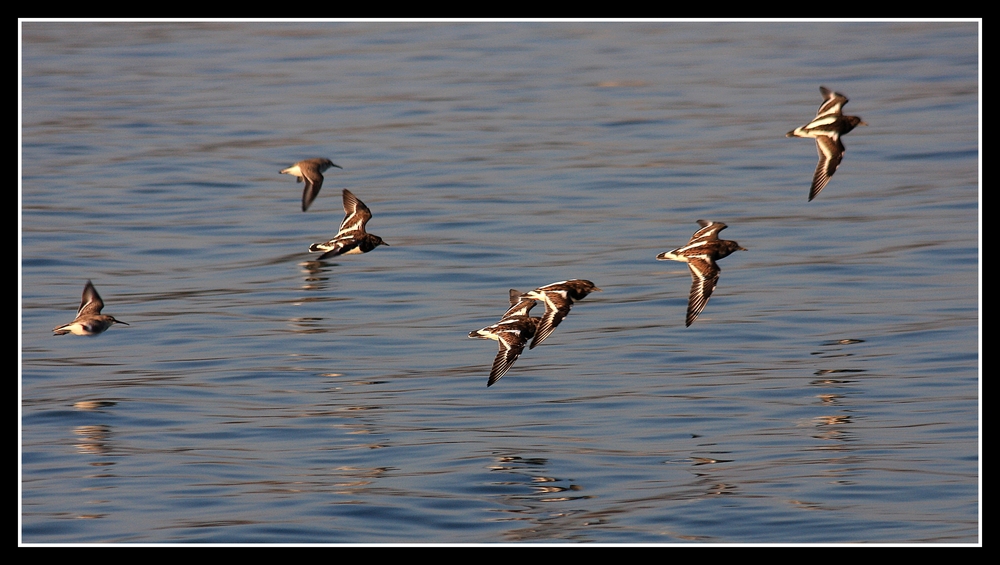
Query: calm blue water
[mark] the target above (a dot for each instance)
(829, 393)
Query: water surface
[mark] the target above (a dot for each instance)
(829, 393)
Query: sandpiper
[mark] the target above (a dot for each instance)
(701, 254)
(89, 320)
(311, 170)
(512, 332)
(558, 298)
(827, 127)
(352, 237)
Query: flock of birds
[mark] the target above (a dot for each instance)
(516, 326)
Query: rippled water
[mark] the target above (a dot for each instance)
(828, 393)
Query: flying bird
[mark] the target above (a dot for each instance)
(826, 128)
(701, 254)
(89, 320)
(558, 298)
(310, 170)
(352, 237)
(511, 333)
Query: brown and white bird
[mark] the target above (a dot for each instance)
(89, 320)
(826, 128)
(701, 254)
(558, 298)
(311, 171)
(352, 238)
(511, 333)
